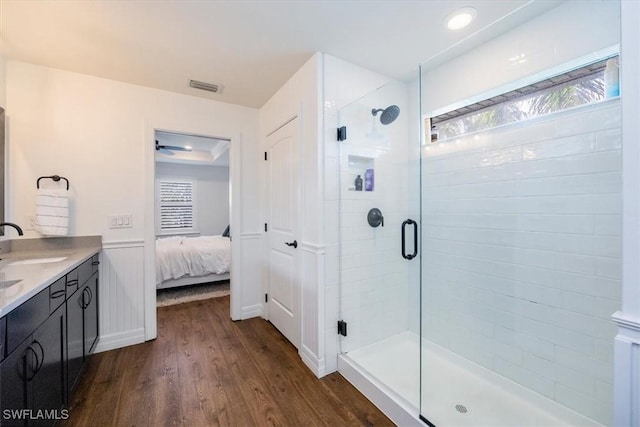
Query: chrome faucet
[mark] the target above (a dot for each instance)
(18, 229)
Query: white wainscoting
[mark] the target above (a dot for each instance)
(121, 294)
(627, 342)
(312, 313)
(627, 362)
(246, 280)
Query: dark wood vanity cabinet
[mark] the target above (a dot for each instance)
(90, 314)
(49, 382)
(33, 375)
(82, 320)
(44, 343)
(15, 372)
(75, 340)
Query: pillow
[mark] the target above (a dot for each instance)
(227, 232)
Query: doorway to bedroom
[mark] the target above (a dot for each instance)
(192, 217)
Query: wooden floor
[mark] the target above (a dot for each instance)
(205, 370)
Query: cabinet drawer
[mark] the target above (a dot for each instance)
(22, 321)
(72, 282)
(95, 263)
(84, 272)
(57, 294)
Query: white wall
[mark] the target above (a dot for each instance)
(212, 193)
(627, 347)
(351, 293)
(332, 83)
(522, 252)
(496, 290)
(3, 81)
(93, 131)
(374, 277)
(570, 31)
(301, 97)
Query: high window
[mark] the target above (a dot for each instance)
(577, 87)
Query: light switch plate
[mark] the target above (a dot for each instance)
(120, 221)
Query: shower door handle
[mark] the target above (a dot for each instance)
(415, 239)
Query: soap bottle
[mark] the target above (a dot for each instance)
(359, 183)
(434, 133)
(368, 180)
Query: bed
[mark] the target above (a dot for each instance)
(183, 261)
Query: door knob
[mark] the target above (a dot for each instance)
(294, 244)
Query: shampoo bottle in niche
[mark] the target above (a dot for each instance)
(434, 133)
(358, 183)
(368, 180)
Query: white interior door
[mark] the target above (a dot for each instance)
(284, 195)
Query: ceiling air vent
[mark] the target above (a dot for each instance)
(204, 86)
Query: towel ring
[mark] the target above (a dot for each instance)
(55, 178)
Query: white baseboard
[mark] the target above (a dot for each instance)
(316, 364)
(120, 339)
(251, 311)
(627, 367)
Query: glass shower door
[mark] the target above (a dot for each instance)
(521, 224)
(379, 289)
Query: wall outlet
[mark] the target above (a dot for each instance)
(120, 221)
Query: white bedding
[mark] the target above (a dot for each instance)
(192, 256)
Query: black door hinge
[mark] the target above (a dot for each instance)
(265, 227)
(265, 155)
(342, 328)
(266, 297)
(342, 133)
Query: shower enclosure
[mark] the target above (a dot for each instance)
(481, 292)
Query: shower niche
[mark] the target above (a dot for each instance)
(361, 168)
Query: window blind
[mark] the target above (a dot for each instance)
(176, 205)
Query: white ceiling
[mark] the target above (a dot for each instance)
(250, 47)
(204, 150)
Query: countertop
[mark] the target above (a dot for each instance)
(36, 277)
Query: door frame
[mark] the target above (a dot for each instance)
(235, 217)
(267, 212)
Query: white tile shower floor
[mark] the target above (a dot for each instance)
(395, 362)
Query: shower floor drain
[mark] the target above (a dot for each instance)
(461, 408)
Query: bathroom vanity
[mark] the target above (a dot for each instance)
(48, 325)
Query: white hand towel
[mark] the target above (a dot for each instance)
(52, 212)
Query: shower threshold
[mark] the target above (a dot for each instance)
(456, 391)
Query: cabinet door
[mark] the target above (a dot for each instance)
(49, 382)
(17, 372)
(75, 339)
(90, 315)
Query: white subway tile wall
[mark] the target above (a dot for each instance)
(374, 278)
(522, 252)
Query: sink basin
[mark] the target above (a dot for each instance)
(8, 283)
(38, 260)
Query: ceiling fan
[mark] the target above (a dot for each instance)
(169, 149)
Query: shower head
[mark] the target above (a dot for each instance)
(388, 115)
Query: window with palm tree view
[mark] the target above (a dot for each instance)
(572, 89)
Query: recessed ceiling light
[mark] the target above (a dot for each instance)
(187, 147)
(460, 18)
